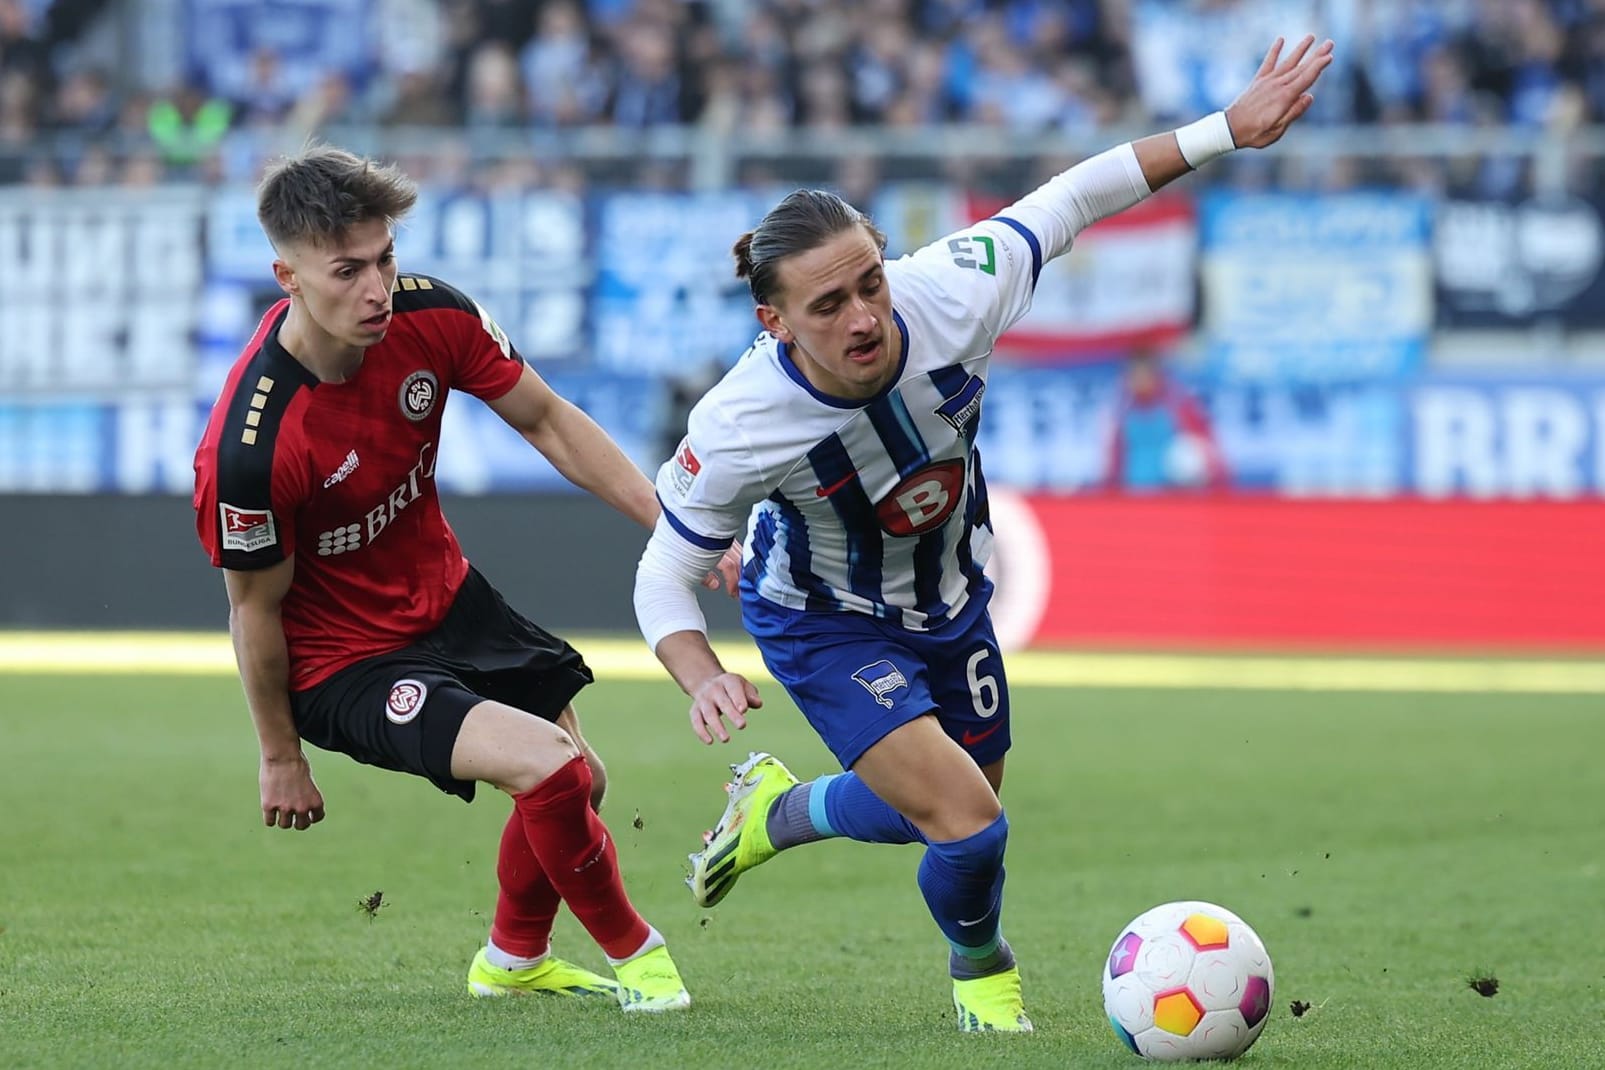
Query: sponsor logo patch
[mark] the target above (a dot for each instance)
(345, 538)
(339, 540)
(246, 529)
(880, 679)
(922, 501)
(405, 701)
(685, 468)
(418, 393)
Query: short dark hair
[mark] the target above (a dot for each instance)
(321, 192)
(805, 220)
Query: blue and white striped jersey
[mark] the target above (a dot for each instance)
(876, 507)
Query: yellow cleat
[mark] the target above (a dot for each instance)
(991, 1004)
(651, 983)
(740, 840)
(553, 977)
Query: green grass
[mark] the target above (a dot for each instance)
(1385, 847)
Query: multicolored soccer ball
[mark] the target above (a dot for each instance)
(1188, 980)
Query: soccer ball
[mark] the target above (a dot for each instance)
(1188, 980)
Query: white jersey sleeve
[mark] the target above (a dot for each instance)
(707, 490)
(988, 271)
(983, 279)
(709, 486)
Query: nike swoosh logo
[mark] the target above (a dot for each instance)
(972, 738)
(825, 492)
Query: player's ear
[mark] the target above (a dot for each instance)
(769, 316)
(284, 275)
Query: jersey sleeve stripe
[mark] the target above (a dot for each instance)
(1030, 239)
(705, 542)
(246, 448)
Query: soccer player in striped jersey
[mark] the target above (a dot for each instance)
(843, 445)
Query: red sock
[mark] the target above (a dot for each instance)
(526, 905)
(577, 853)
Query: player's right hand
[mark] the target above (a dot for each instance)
(727, 695)
(1279, 93)
(290, 798)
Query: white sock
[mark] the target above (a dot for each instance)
(654, 940)
(497, 957)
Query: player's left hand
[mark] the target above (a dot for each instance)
(727, 573)
(727, 695)
(1278, 95)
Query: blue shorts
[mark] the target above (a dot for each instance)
(857, 678)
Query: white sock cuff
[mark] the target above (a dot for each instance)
(654, 940)
(1207, 139)
(508, 961)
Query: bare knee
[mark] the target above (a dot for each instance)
(509, 749)
(535, 762)
(957, 819)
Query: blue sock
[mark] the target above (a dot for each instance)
(832, 806)
(843, 805)
(962, 881)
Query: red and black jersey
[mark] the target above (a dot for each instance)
(342, 475)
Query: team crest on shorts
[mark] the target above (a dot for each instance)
(881, 678)
(418, 393)
(406, 699)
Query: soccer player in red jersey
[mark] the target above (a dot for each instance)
(357, 623)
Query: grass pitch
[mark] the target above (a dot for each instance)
(1389, 848)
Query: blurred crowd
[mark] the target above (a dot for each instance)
(741, 68)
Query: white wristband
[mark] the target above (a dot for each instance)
(1203, 141)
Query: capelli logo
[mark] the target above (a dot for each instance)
(347, 466)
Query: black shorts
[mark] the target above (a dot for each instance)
(403, 710)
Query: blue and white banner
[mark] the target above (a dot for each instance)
(98, 293)
(1440, 436)
(1508, 436)
(525, 256)
(1043, 429)
(1310, 289)
(147, 445)
(667, 300)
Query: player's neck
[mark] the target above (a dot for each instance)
(315, 349)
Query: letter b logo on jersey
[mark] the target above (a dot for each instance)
(923, 500)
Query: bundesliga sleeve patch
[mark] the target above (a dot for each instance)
(246, 530)
(495, 331)
(685, 469)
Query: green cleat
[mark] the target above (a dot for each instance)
(651, 983)
(740, 840)
(991, 1004)
(553, 977)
